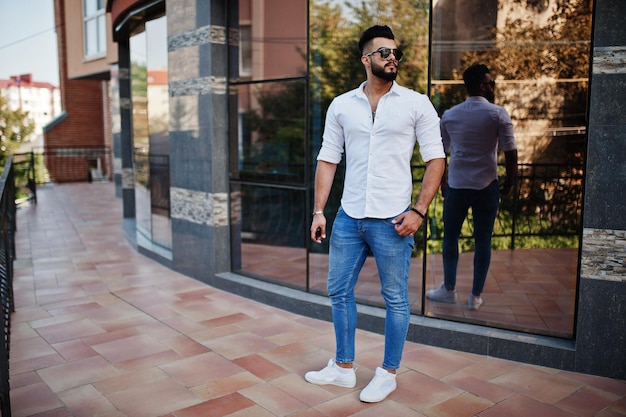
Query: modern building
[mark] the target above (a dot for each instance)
(77, 143)
(215, 167)
(41, 100)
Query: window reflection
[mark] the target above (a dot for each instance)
(150, 98)
(539, 59)
(272, 222)
(272, 39)
(532, 279)
(272, 132)
(268, 94)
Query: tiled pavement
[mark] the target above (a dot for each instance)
(100, 330)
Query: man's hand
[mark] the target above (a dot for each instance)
(407, 223)
(318, 228)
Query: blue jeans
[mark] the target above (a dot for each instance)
(484, 204)
(350, 243)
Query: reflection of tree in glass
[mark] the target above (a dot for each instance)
(279, 129)
(554, 57)
(336, 66)
(139, 89)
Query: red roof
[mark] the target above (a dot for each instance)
(25, 80)
(157, 77)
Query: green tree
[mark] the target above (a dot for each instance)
(409, 21)
(523, 50)
(335, 59)
(15, 126)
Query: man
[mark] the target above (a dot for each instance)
(471, 133)
(377, 125)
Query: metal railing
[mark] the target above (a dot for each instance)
(7, 255)
(546, 203)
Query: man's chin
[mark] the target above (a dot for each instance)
(384, 74)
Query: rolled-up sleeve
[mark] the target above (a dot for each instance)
(333, 138)
(428, 132)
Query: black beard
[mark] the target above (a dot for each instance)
(379, 71)
(490, 96)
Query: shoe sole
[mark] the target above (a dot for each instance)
(376, 400)
(442, 300)
(337, 384)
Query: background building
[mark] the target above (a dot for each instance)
(219, 186)
(41, 100)
(77, 142)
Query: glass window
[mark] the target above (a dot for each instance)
(150, 99)
(272, 132)
(272, 38)
(271, 239)
(269, 142)
(335, 67)
(245, 51)
(539, 59)
(94, 28)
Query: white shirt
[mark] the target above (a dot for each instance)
(471, 133)
(378, 181)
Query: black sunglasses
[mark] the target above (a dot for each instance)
(492, 83)
(385, 52)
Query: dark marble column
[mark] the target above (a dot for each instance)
(601, 329)
(198, 65)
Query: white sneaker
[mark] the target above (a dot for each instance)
(473, 303)
(383, 384)
(333, 374)
(442, 294)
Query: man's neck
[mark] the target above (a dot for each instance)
(377, 87)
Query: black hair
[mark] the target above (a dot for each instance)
(375, 31)
(473, 77)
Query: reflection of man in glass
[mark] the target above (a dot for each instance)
(471, 133)
(377, 125)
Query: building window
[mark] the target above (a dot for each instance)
(94, 28)
(245, 51)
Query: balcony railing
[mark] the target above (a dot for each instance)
(7, 255)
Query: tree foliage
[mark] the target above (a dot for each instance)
(15, 127)
(525, 50)
(335, 31)
(544, 67)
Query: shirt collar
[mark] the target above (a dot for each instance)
(361, 92)
(478, 98)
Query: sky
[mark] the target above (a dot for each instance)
(28, 43)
